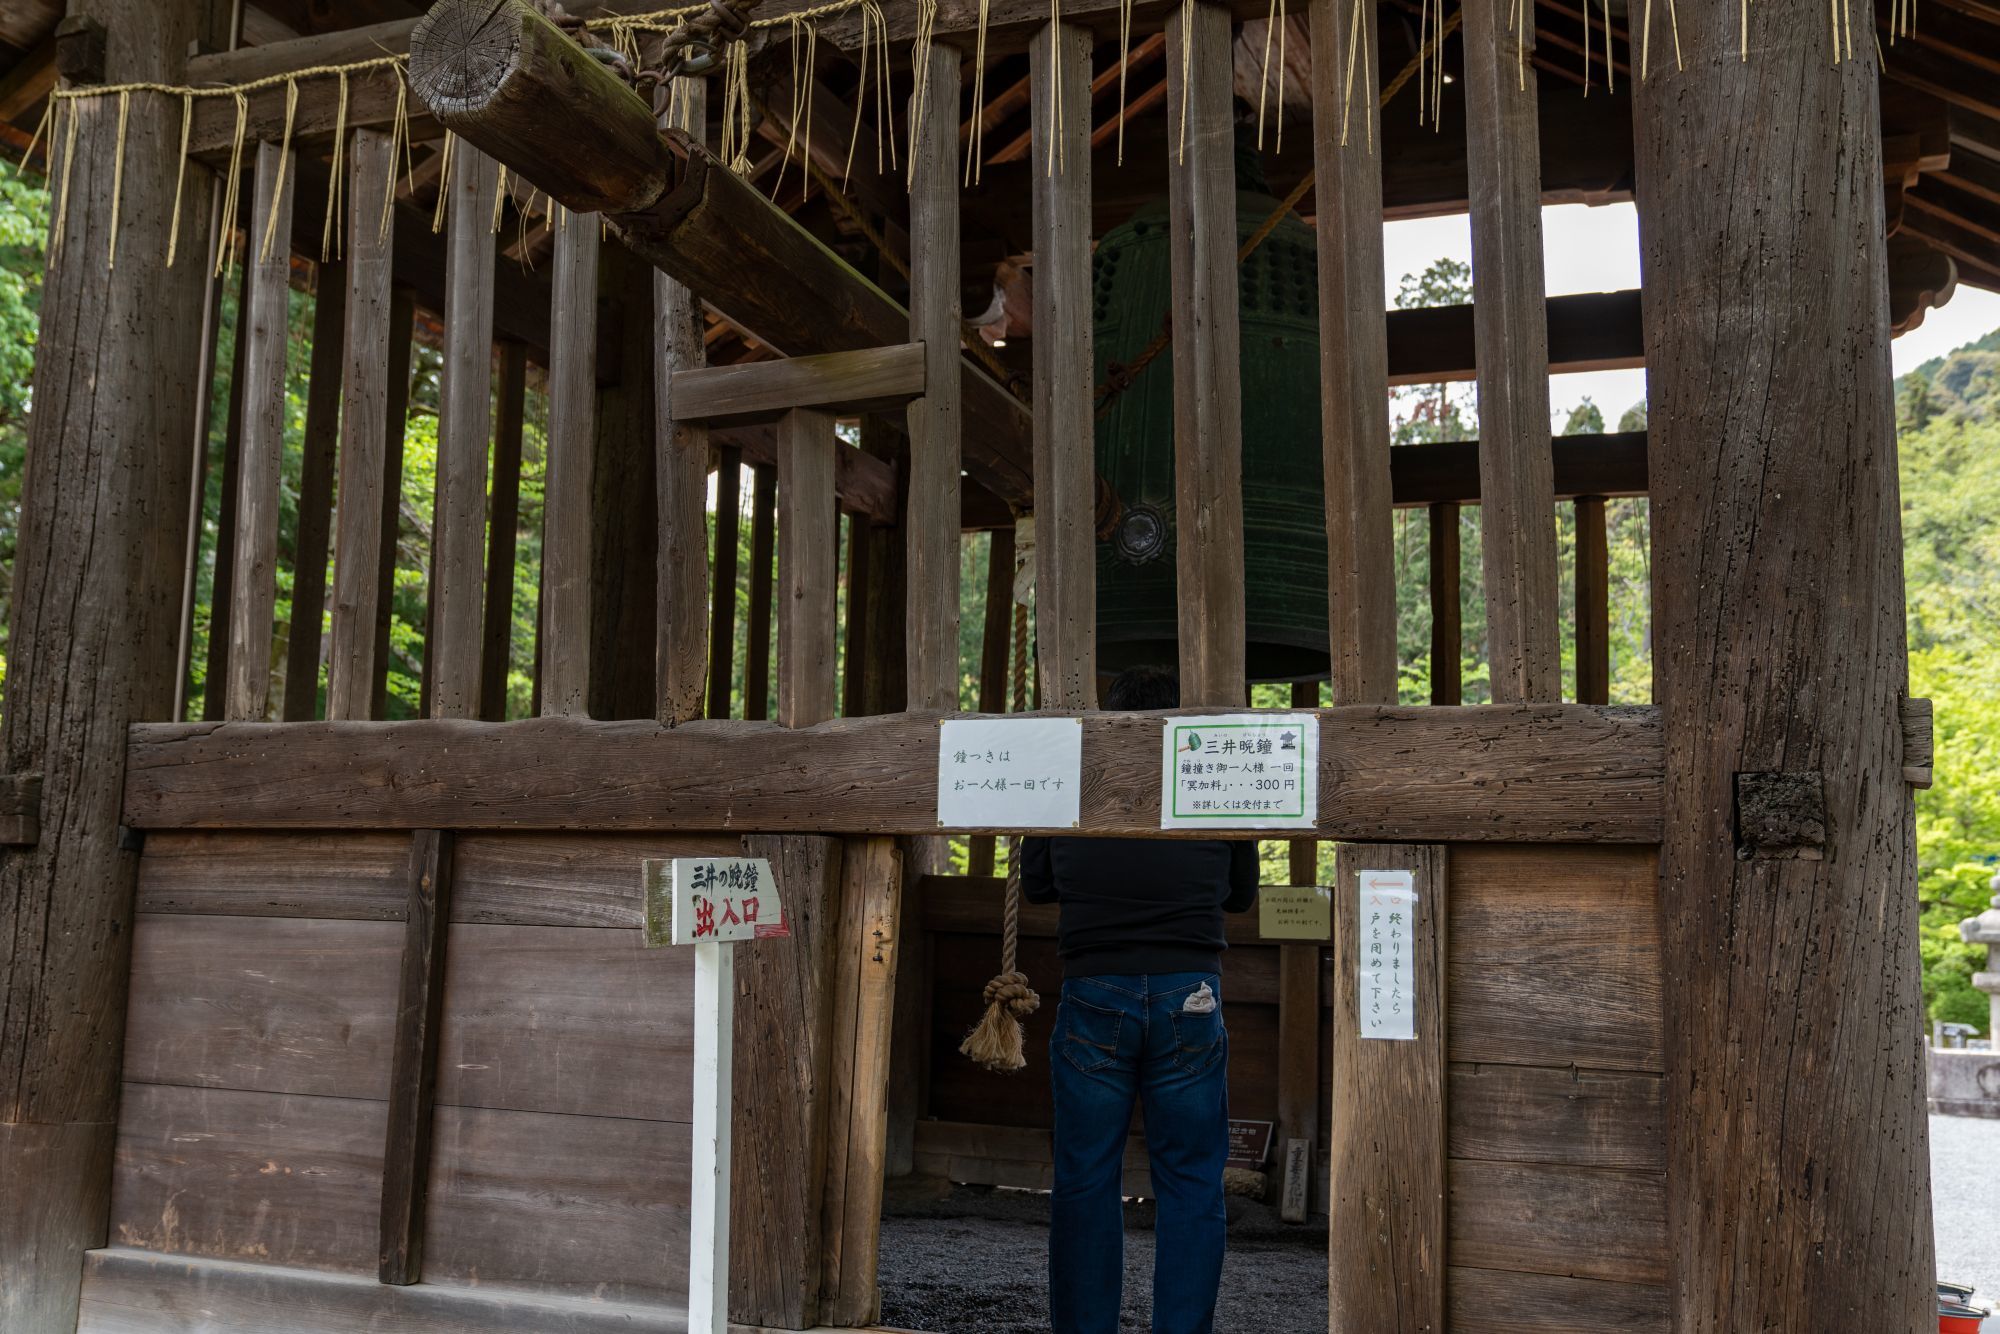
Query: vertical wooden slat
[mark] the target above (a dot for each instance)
(402, 321)
(1354, 357)
(503, 521)
(721, 628)
(1208, 390)
(1593, 603)
(757, 637)
(368, 378)
(1447, 636)
(993, 647)
(1386, 1268)
(465, 419)
(806, 567)
(222, 588)
(933, 515)
(1299, 1054)
(854, 664)
(865, 962)
(1065, 432)
(1517, 530)
(566, 540)
(694, 648)
(266, 327)
(406, 1144)
(316, 495)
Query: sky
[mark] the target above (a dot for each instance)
(1587, 249)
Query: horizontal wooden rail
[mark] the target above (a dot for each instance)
(1534, 773)
(1588, 331)
(1612, 464)
(865, 380)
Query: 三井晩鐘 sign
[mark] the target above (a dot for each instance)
(698, 900)
(1240, 771)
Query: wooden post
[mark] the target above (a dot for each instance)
(709, 1179)
(854, 663)
(1387, 1179)
(1447, 638)
(1517, 530)
(1208, 390)
(757, 638)
(265, 325)
(1299, 1052)
(694, 650)
(504, 517)
(316, 495)
(806, 568)
(365, 525)
(993, 646)
(402, 319)
(1593, 603)
(1065, 428)
(1353, 357)
(625, 502)
(465, 421)
(222, 589)
(932, 528)
(566, 540)
(1779, 597)
(97, 579)
(406, 1147)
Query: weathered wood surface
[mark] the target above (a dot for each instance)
(1497, 1302)
(1446, 591)
(567, 1020)
(266, 330)
(1773, 429)
(130, 1291)
(1563, 1115)
(271, 874)
(807, 568)
(994, 643)
(402, 322)
(1593, 603)
(316, 471)
(865, 380)
(564, 879)
(266, 1005)
(1065, 427)
(94, 608)
(763, 550)
(1387, 1188)
(20, 810)
(1584, 331)
(692, 656)
(281, 1179)
(1015, 1156)
(1354, 358)
(1543, 773)
(1208, 390)
(721, 577)
(624, 581)
(971, 905)
(854, 622)
(222, 589)
(1612, 464)
(784, 1011)
(406, 1151)
(1572, 1222)
(1517, 525)
(590, 1206)
(465, 420)
(1556, 958)
(502, 520)
(566, 540)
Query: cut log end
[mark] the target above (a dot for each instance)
(461, 53)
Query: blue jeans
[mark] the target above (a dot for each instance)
(1117, 1040)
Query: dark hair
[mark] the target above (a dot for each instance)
(1144, 688)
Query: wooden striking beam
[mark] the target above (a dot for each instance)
(504, 514)
(693, 652)
(1612, 464)
(806, 568)
(316, 469)
(1530, 773)
(1065, 429)
(566, 513)
(1588, 331)
(867, 380)
(406, 1147)
(1208, 390)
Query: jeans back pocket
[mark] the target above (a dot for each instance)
(1089, 1034)
(1198, 1039)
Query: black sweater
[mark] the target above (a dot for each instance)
(1133, 905)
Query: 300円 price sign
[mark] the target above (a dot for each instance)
(1240, 771)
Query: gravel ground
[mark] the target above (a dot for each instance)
(976, 1262)
(1965, 1200)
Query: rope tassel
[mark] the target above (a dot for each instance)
(997, 1040)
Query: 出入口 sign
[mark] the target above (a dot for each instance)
(701, 900)
(1240, 771)
(1010, 773)
(1295, 912)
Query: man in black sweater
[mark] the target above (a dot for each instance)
(1140, 1022)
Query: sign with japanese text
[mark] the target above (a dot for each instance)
(699, 900)
(1010, 773)
(1240, 771)
(1387, 940)
(1295, 912)
(1249, 1143)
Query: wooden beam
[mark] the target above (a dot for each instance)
(1529, 773)
(402, 321)
(691, 656)
(504, 516)
(406, 1144)
(1517, 527)
(1065, 429)
(30, 81)
(1387, 1267)
(757, 635)
(316, 470)
(1588, 331)
(1758, 305)
(722, 605)
(1593, 603)
(1208, 392)
(806, 568)
(266, 327)
(1354, 362)
(867, 380)
(567, 536)
(465, 419)
(1612, 464)
(1447, 642)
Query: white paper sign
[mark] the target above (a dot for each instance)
(1240, 771)
(696, 900)
(1387, 939)
(1010, 773)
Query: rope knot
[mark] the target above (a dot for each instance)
(1012, 991)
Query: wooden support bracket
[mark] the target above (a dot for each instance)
(1917, 746)
(868, 380)
(20, 810)
(80, 47)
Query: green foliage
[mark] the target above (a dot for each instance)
(24, 226)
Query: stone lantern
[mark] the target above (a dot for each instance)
(1985, 930)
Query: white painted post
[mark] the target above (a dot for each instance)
(708, 1221)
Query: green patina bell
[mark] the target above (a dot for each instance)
(1284, 525)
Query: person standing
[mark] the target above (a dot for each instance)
(1140, 1022)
